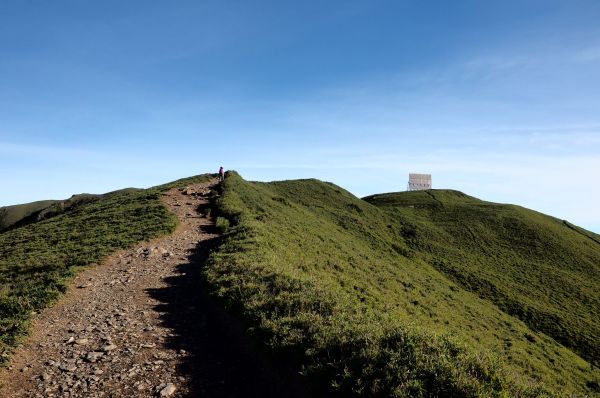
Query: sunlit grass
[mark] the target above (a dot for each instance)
(354, 296)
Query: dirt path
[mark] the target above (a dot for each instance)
(139, 325)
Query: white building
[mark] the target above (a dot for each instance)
(419, 182)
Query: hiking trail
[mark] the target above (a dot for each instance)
(140, 325)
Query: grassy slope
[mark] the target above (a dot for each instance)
(19, 215)
(336, 285)
(533, 266)
(37, 260)
(10, 215)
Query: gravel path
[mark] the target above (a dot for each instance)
(139, 325)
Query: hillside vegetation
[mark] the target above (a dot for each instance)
(424, 294)
(11, 215)
(543, 270)
(28, 213)
(38, 259)
(430, 293)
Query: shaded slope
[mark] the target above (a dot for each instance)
(541, 269)
(24, 214)
(337, 286)
(11, 215)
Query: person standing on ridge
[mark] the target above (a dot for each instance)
(221, 174)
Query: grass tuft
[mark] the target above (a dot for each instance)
(222, 224)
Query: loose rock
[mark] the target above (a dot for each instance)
(168, 390)
(109, 347)
(94, 356)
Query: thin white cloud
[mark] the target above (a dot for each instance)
(589, 54)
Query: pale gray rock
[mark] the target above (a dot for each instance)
(168, 391)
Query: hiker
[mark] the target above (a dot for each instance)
(221, 174)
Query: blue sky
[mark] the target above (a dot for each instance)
(498, 99)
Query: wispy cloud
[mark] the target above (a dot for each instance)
(589, 54)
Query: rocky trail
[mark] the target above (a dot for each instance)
(141, 325)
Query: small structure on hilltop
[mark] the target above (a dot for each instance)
(419, 182)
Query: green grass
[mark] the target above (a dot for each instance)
(532, 266)
(10, 215)
(38, 260)
(406, 294)
(385, 298)
(28, 213)
(222, 224)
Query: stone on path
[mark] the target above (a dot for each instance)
(109, 347)
(168, 390)
(94, 356)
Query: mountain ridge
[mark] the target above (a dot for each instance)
(427, 293)
(511, 216)
(18, 215)
(396, 263)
